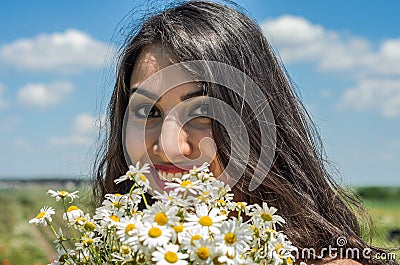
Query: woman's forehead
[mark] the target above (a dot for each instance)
(148, 74)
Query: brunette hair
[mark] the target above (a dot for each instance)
(316, 209)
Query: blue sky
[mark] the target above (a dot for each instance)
(56, 76)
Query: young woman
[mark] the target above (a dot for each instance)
(146, 124)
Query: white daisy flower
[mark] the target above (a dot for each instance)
(196, 170)
(171, 198)
(220, 190)
(128, 231)
(183, 186)
(63, 194)
(203, 251)
(153, 235)
(124, 254)
(161, 214)
(136, 174)
(235, 236)
(190, 236)
(177, 232)
(108, 217)
(204, 196)
(87, 241)
(116, 202)
(85, 223)
(43, 216)
(207, 220)
(169, 255)
(266, 214)
(280, 248)
(72, 213)
(234, 259)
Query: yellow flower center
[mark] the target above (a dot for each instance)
(278, 247)
(125, 250)
(203, 253)
(186, 183)
(178, 228)
(222, 202)
(230, 256)
(40, 215)
(141, 259)
(72, 208)
(90, 226)
(129, 228)
(206, 221)
(195, 237)
(216, 262)
(87, 242)
(117, 204)
(171, 257)
(114, 218)
(155, 232)
(241, 205)
(266, 217)
(289, 261)
(80, 220)
(117, 195)
(269, 230)
(230, 238)
(142, 177)
(63, 193)
(161, 218)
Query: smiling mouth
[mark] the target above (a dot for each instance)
(168, 172)
(169, 176)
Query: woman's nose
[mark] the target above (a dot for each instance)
(173, 142)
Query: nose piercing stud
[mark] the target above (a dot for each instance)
(155, 147)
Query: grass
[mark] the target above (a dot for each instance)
(386, 217)
(20, 242)
(25, 244)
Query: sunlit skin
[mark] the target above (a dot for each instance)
(163, 123)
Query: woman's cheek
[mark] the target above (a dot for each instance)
(135, 144)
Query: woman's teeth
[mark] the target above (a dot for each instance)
(169, 176)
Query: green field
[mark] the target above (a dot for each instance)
(24, 244)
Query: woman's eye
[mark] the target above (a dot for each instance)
(200, 111)
(147, 111)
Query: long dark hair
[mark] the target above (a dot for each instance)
(316, 209)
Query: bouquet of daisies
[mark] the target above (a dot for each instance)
(195, 222)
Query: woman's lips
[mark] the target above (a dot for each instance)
(172, 168)
(168, 172)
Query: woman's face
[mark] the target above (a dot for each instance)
(156, 132)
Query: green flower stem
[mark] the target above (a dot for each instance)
(141, 191)
(51, 226)
(55, 233)
(68, 221)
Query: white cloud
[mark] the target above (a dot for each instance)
(71, 51)
(298, 40)
(82, 133)
(3, 102)
(382, 95)
(375, 72)
(44, 95)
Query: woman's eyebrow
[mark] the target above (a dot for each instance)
(143, 92)
(194, 94)
(155, 96)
